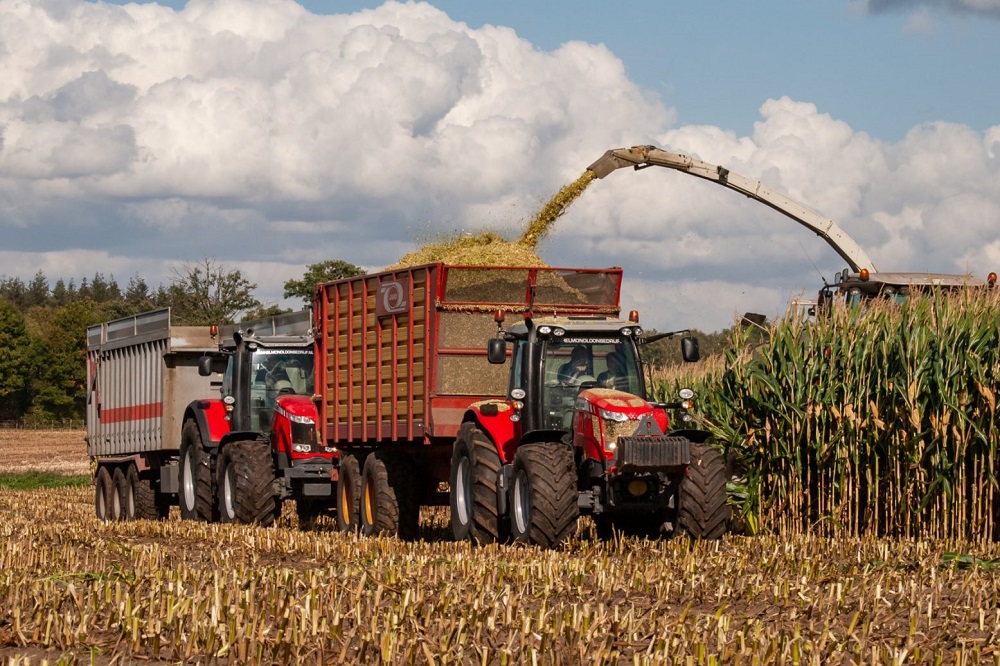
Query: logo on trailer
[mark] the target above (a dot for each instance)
(391, 298)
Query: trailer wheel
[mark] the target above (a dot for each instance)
(142, 496)
(246, 484)
(197, 497)
(543, 507)
(389, 498)
(703, 510)
(349, 494)
(121, 506)
(103, 489)
(475, 472)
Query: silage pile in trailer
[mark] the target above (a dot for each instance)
(489, 248)
(880, 420)
(484, 249)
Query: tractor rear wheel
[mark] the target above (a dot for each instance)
(103, 489)
(246, 484)
(703, 510)
(349, 493)
(197, 497)
(543, 507)
(389, 499)
(475, 473)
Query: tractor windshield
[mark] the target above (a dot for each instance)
(571, 365)
(273, 372)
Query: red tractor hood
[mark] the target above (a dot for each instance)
(612, 400)
(295, 405)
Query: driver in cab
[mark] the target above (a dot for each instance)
(577, 369)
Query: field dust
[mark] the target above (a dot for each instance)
(58, 451)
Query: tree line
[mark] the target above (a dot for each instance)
(43, 325)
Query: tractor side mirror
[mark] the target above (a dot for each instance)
(689, 349)
(205, 366)
(496, 351)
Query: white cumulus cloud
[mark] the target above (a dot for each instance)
(134, 138)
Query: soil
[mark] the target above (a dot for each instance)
(59, 451)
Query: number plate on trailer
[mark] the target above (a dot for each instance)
(649, 454)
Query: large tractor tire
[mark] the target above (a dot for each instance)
(198, 492)
(703, 511)
(389, 497)
(103, 489)
(141, 498)
(543, 506)
(349, 494)
(246, 484)
(475, 473)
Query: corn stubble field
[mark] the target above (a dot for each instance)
(865, 452)
(79, 591)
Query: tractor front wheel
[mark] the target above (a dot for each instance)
(543, 506)
(703, 509)
(246, 484)
(475, 474)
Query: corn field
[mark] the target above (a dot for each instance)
(79, 591)
(878, 421)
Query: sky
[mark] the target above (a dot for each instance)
(268, 135)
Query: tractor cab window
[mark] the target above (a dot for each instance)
(570, 366)
(272, 373)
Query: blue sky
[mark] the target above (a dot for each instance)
(270, 135)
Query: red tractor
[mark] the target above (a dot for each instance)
(577, 434)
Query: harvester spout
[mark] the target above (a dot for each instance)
(640, 157)
(613, 160)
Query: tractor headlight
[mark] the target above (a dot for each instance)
(608, 415)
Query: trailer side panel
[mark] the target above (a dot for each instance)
(142, 374)
(402, 354)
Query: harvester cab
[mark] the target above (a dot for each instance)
(858, 288)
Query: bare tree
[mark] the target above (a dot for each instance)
(208, 292)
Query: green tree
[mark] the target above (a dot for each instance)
(12, 289)
(137, 295)
(38, 291)
(207, 293)
(325, 271)
(58, 382)
(15, 362)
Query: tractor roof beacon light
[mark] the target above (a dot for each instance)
(863, 274)
(991, 278)
(633, 316)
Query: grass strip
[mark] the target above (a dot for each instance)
(37, 480)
